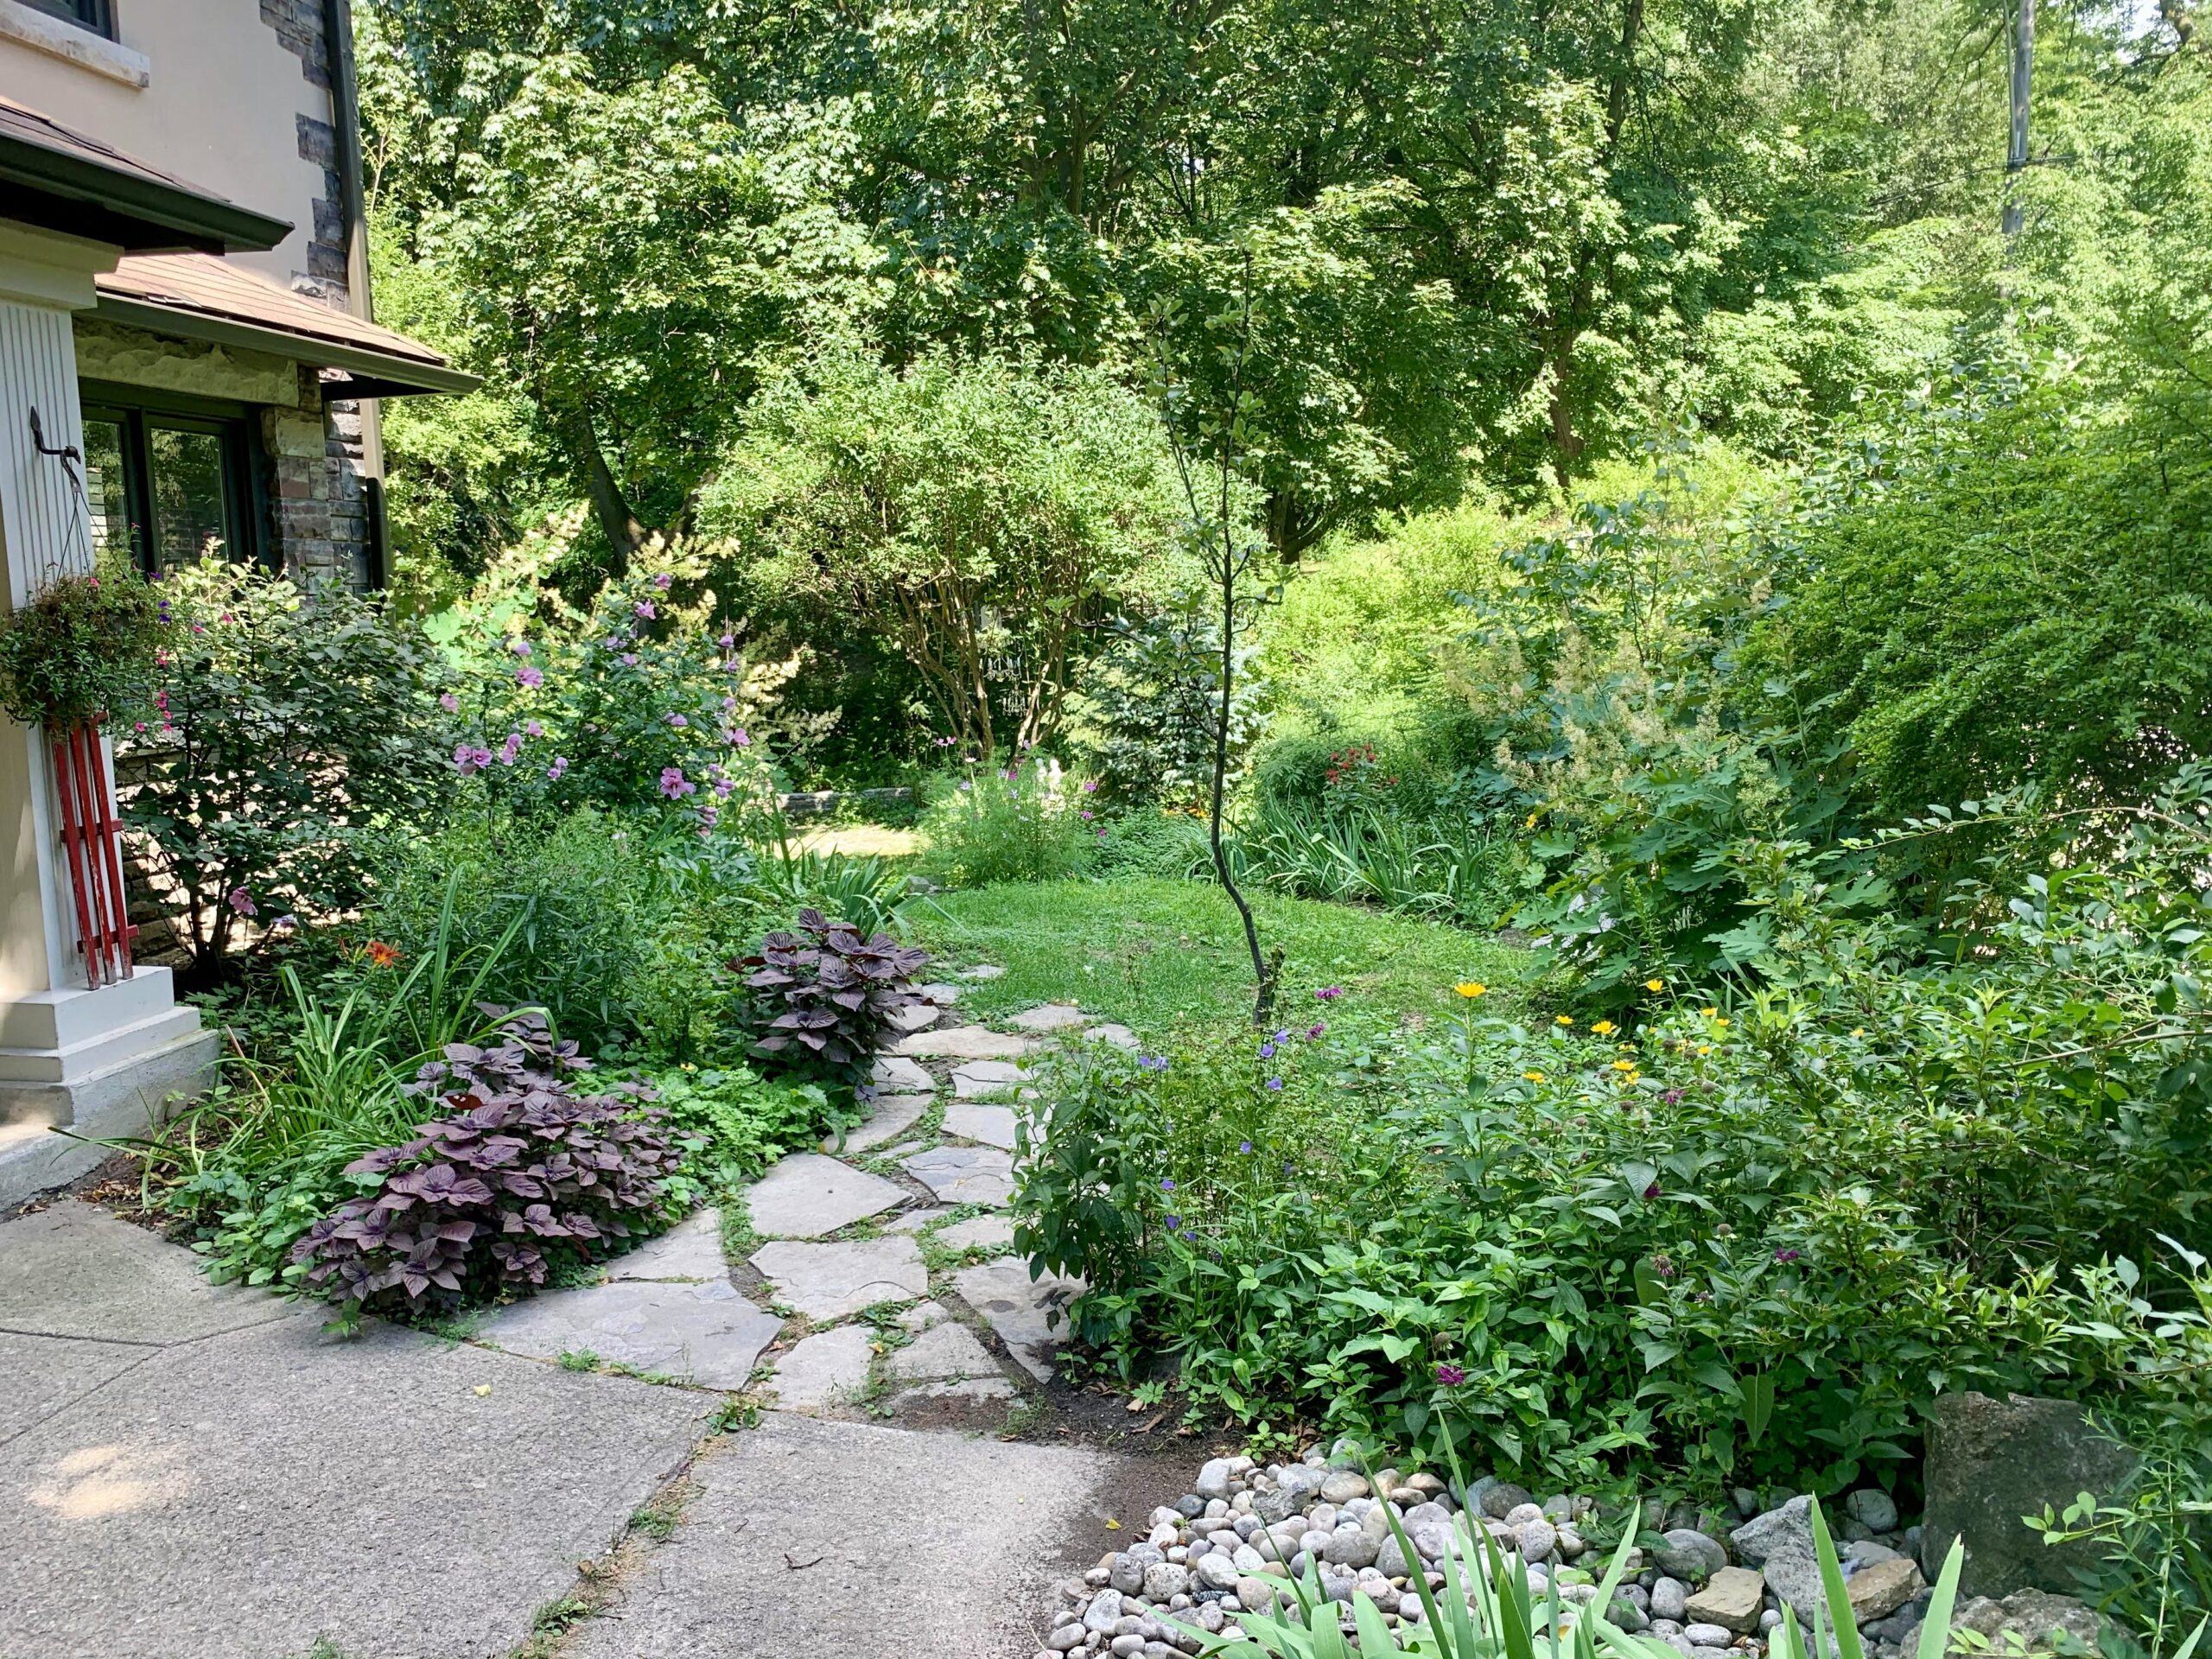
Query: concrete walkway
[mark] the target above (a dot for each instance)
(188, 1471)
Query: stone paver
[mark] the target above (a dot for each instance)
(992, 1125)
(959, 1553)
(964, 1175)
(981, 970)
(1121, 1036)
(193, 1476)
(913, 1221)
(979, 1079)
(832, 1281)
(966, 1388)
(705, 1333)
(915, 1016)
(1050, 1016)
(1029, 1315)
(891, 1117)
(943, 996)
(692, 1249)
(901, 1076)
(922, 1315)
(944, 1353)
(963, 1043)
(808, 1195)
(824, 1370)
(984, 1232)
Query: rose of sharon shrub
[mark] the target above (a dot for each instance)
(521, 1176)
(821, 1000)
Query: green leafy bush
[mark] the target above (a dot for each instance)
(292, 730)
(1747, 1244)
(1144, 713)
(1026, 821)
(732, 1123)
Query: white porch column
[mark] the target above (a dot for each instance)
(101, 1063)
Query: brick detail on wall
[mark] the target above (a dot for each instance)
(314, 494)
(298, 24)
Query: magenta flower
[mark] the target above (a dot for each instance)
(241, 902)
(741, 738)
(644, 607)
(560, 765)
(520, 648)
(1085, 816)
(728, 641)
(629, 659)
(678, 722)
(1449, 1376)
(674, 785)
(449, 702)
(664, 580)
(530, 677)
(469, 758)
(1088, 787)
(532, 728)
(1786, 1255)
(1328, 993)
(1315, 1029)
(511, 748)
(1652, 1191)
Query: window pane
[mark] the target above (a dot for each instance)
(104, 492)
(188, 518)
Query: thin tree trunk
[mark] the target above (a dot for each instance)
(2016, 147)
(608, 505)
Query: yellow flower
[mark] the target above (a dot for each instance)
(1562, 1020)
(1529, 823)
(1603, 1028)
(1655, 984)
(1624, 1066)
(1723, 1024)
(1859, 1031)
(1710, 1012)
(1471, 988)
(1705, 1048)
(1533, 1077)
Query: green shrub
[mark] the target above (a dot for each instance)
(1026, 821)
(732, 1123)
(1145, 711)
(1745, 1244)
(600, 932)
(292, 730)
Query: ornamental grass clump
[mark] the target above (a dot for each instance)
(521, 1177)
(820, 1001)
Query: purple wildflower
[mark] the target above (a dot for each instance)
(1652, 1191)
(469, 758)
(560, 765)
(663, 581)
(241, 902)
(674, 785)
(1244, 1147)
(511, 748)
(1167, 1185)
(1315, 1029)
(644, 607)
(1786, 1255)
(629, 659)
(1266, 1051)
(520, 648)
(678, 722)
(1174, 1222)
(527, 675)
(532, 728)
(741, 738)
(1275, 1084)
(1449, 1376)
(449, 702)
(1328, 993)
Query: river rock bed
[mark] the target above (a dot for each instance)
(1712, 1589)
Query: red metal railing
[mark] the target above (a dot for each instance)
(88, 838)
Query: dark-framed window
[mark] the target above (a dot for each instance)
(172, 480)
(98, 15)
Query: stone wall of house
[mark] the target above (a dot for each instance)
(299, 24)
(315, 499)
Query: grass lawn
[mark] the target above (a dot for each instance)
(1157, 953)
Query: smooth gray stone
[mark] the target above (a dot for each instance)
(915, 1016)
(985, 1389)
(833, 1281)
(1121, 1036)
(981, 970)
(901, 1076)
(943, 996)
(913, 1221)
(208, 1503)
(964, 1175)
(808, 1195)
(963, 1577)
(707, 1333)
(1050, 1016)
(992, 1125)
(692, 1249)
(922, 1315)
(963, 1043)
(1030, 1315)
(943, 1352)
(825, 1369)
(977, 1232)
(987, 1080)
(891, 1116)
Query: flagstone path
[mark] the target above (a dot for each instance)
(185, 1472)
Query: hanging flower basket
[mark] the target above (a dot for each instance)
(81, 653)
